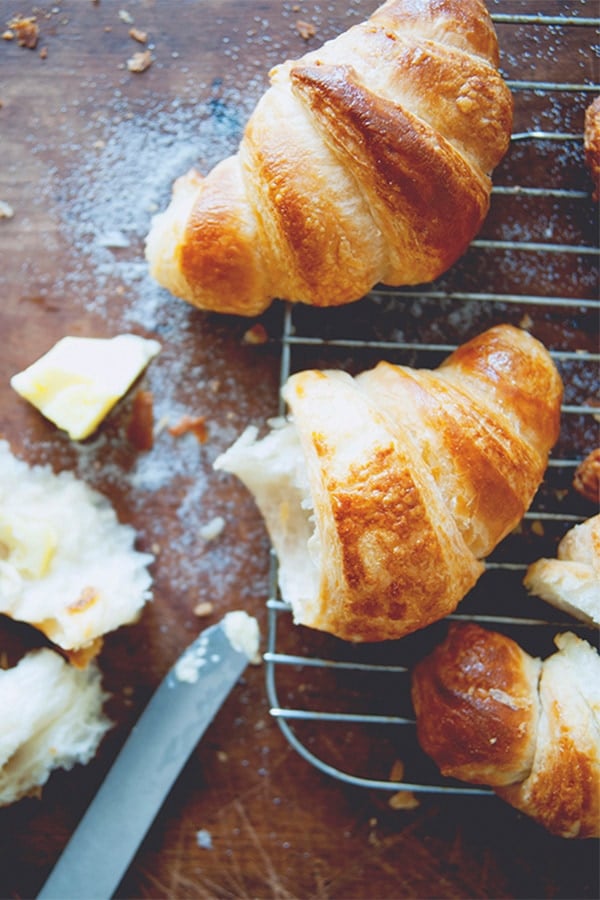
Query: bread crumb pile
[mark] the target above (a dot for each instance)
(69, 568)
(51, 717)
(67, 565)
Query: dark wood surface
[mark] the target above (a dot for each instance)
(88, 152)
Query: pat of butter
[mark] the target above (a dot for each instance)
(77, 383)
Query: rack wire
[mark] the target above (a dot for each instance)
(346, 709)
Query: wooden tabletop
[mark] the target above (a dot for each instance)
(89, 150)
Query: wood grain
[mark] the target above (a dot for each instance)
(88, 152)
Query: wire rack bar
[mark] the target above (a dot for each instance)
(354, 343)
(289, 715)
(552, 86)
(288, 659)
(541, 19)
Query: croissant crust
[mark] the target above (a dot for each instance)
(383, 492)
(489, 713)
(365, 161)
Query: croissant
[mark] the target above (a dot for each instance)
(382, 493)
(489, 713)
(591, 144)
(586, 480)
(365, 161)
(571, 582)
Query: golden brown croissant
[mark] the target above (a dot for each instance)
(366, 161)
(591, 143)
(383, 492)
(489, 713)
(586, 480)
(571, 582)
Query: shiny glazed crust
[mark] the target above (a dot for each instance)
(488, 713)
(366, 161)
(406, 478)
(417, 475)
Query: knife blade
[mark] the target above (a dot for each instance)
(98, 854)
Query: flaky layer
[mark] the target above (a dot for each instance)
(366, 161)
(382, 493)
(489, 713)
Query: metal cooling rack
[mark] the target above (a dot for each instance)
(346, 709)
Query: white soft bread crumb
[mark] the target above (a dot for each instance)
(243, 633)
(571, 582)
(274, 470)
(52, 718)
(67, 565)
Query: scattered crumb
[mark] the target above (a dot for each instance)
(204, 839)
(401, 799)
(6, 210)
(160, 426)
(222, 756)
(140, 36)
(44, 53)
(139, 62)
(257, 334)
(306, 30)
(203, 609)
(126, 17)
(404, 800)
(140, 431)
(194, 424)
(8, 35)
(243, 634)
(593, 401)
(212, 529)
(586, 480)
(114, 240)
(26, 30)
(526, 322)
(397, 771)
(538, 528)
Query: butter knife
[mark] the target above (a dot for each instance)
(98, 854)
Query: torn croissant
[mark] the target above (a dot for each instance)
(367, 160)
(383, 493)
(571, 582)
(489, 713)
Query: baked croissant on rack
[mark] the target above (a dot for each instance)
(366, 161)
(591, 143)
(382, 493)
(489, 713)
(571, 582)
